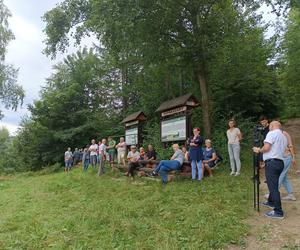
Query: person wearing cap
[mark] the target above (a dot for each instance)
(273, 152)
(133, 161)
(209, 157)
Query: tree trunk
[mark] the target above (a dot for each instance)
(205, 102)
(124, 84)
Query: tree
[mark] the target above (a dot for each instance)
(11, 94)
(290, 64)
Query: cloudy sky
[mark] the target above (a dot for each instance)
(25, 52)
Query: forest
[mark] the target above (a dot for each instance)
(148, 52)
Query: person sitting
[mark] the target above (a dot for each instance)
(133, 161)
(186, 153)
(151, 154)
(166, 166)
(209, 157)
(143, 155)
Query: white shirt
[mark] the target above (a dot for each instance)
(102, 149)
(278, 145)
(93, 148)
(233, 136)
(122, 147)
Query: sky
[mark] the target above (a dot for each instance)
(25, 52)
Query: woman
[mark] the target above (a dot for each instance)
(196, 153)
(234, 137)
(209, 157)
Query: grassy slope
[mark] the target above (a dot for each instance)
(83, 211)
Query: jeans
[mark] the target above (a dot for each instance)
(273, 170)
(234, 155)
(86, 165)
(93, 159)
(68, 164)
(164, 167)
(198, 166)
(283, 178)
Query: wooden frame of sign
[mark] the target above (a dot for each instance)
(175, 119)
(134, 127)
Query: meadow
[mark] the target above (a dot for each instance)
(83, 211)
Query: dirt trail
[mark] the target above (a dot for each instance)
(272, 234)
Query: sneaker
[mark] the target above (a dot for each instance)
(274, 215)
(266, 196)
(289, 197)
(267, 204)
(232, 173)
(237, 174)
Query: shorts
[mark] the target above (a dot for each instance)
(68, 164)
(121, 157)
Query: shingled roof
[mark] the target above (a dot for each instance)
(135, 116)
(177, 102)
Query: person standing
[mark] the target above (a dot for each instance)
(76, 156)
(86, 159)
(93, 153)
(234, 137)
(121, 149)
(111, 151)
(102, 157)
(273, 151)
(196, 154)
(68, 160)
(288, 160)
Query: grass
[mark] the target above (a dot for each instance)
(83, 211)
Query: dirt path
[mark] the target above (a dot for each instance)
(272, 234)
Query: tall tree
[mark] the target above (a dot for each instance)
(11, 94)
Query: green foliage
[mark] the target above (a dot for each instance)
(11, 94)
(290, 64)
(63, 211)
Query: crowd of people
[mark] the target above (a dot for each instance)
(277, 155)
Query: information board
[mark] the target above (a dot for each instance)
(173, 129)
(131, 136)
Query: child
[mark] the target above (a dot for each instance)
(186, 153)
(86, 159)
(142, 154)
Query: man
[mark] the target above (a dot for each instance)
(273, 155)
(76, 156)
(174, 163)
(151, 154)
(133, 161)
(93, 153)
(111, 151)
(264, 122)
(68, 160)
(102, 156)
(121, 148)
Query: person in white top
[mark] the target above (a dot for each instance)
(234, 137)
(273, 151)
(121, 148)
(102, 156)
(93, 153)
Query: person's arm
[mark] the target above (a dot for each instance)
(266, 148)
(291, 147)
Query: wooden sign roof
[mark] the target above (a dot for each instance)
(137, 116)
(185, 100)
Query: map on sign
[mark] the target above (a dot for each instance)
(131, 136)
(173, 129)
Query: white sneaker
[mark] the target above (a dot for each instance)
(289, 197)
(266, 196)
(232, 173)
(237, 174)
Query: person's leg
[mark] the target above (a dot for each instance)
(236, 154)
(273, 171)
(200, 170)
(283, 179)
(123, 159)
(231, 158)
(166, 167)
(156, 170)
(208, 169)
(194, 166)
